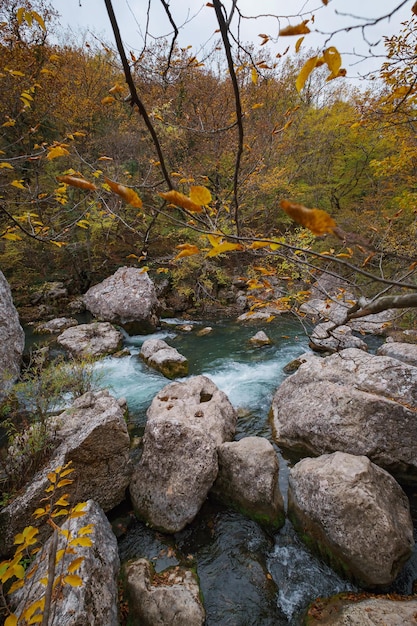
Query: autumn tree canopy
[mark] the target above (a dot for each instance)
(178, 161)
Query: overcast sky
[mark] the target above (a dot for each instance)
(199, 23)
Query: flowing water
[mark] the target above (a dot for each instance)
(248, 577)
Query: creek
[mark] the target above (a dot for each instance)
(248, 577)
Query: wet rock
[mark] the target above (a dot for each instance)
(12, 339)
(331, 338)
(248, 480)
(405, 352)
(260, 339)
(127, 298)
(261, 315)
(204, 331)
(353, 402)
(164, 358)
(354, 514)
(96, 600)
(369, 612)
(91, 340)
(171, 597)
(185, 423)
(93, 435)
(56, 325)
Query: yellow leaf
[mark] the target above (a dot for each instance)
(64, 482)
(129, 195)
(298, 43)
(10, 122)
(259, 244)
(27, 537)
(57, 151)
(75, 564)
(75, 181)
(180, 200)
(18, 184)
(86, 530)
(39, 513)
(85, 542)
(11, 236)
(316, 220)
(333, 60)
(200, 195)
(186, 249)
(83, 224)
(226, 246)
(73, 580)
(144, 269)
(214, 239)
(300, 29)
(5, 165)
(108, 100)
(258, 105)
(305, 72)
(18, 584)
(254, 76)
(38, 18)
(59, 244)
(11, 620)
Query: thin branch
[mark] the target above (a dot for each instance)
(135, 100)
(175, 27)
(218, 7)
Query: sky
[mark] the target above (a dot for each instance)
(198, 24)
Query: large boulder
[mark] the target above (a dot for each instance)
(158, 354)
(91, 340)
(376, 611)
(406, 352)
(186, 422)
(56, 325)
(95, 601)
(93, 435)
(171, 597)
(328, 337)
(127, 298)
(12, 339)
(353, 402)
(248, 480)
(354, 514)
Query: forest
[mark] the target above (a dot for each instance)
(191, 167)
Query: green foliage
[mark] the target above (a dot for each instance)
(19, 572)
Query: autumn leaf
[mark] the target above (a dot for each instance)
(414, 8)
(186, 249)
(108, 100)
(18, 184)
(11, 620)
(300, 29)
(298, 43)
(181, 200)
(74, 181)
(305, 72)
(226, 246)
(75, 564)
(316, 220)
(200, 195)
(57, 151)
(4, 165)
(254, 76)
(73, 580)
(256, 245)
(129, 195)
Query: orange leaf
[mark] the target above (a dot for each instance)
(129, 195)
(74, 181)
(179, 199)
(316, 220)
(298, 43)
(200, 195)
(259, 244)
(186, 249)
(300, 29)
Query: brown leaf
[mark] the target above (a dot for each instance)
(74, 181)
(129, 195)
(300, 29)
